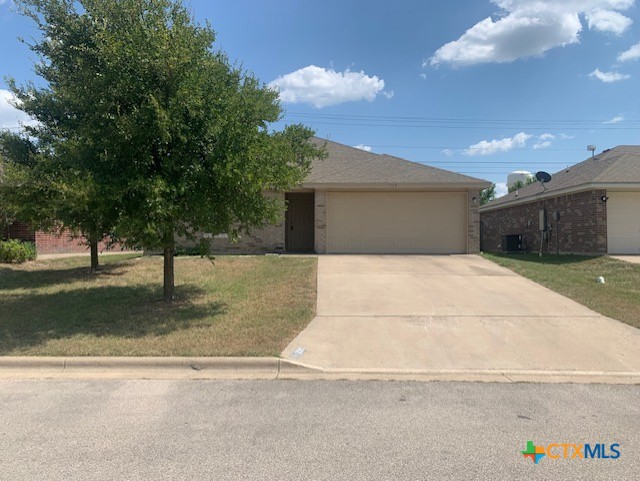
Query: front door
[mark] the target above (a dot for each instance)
(299, 222)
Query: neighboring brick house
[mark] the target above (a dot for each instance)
(355, 201)
(52, 243)
(591, 208)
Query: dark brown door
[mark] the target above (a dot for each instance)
(300, 222)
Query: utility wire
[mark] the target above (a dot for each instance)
(466, 127)
(458, 120)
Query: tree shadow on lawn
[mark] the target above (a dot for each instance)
(131, 312)
(25, 279)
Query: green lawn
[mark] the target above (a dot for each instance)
(233, 306)
(575, 277)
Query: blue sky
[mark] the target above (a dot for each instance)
(483, 88)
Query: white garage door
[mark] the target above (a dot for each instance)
(623, 222)
(397, 222)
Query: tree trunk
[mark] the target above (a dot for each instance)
(168, 273)
(93, 245)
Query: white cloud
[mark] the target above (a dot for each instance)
(11, 117)
(565, 136)
(448, 152)
(608, 21)
(323, 87)
(616, 120)
(544, 141)
(488, 147)
(632, 54)
(529, 28)
(423, 76)
(501, 189)
(608, 77)
(543, 144)
(366, 148)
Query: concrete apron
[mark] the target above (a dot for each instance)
(460, 317)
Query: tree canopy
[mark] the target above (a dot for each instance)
(165, 132)
(519, 184)
(488, 194)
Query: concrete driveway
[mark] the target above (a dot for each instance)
(453, 313)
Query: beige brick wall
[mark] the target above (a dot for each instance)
(320, 214)
(260, 241)
(473, 226)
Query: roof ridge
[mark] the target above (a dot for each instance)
(352, 166)
(366, 152)
(614, 161)
(431, 167)
(618, 162)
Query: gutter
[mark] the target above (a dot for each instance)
(397, 186)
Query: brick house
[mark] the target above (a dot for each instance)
(590, 208)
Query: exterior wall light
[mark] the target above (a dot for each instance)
(604, 198)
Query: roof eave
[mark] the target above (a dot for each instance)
(397, 185)
(569, 190)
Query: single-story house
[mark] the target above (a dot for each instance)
(589, 208)
(355, 201)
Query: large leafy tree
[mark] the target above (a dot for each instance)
(176, 135)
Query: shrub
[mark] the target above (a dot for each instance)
(17, 251)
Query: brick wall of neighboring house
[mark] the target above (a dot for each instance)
(20, 231)
(53, 243)
(65, 243)
(582, 228)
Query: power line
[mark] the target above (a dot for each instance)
(469, 148)
(465, 127)
(457, 119)
(505, 162)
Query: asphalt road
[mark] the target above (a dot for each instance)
(285, 430)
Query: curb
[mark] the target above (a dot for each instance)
(272, 368)
(139, 367)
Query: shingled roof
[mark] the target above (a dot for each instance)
(348, 166)
(620, 165)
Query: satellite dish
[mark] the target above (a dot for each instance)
(543, 177)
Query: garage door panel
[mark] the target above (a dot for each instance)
(623, 222)
(396, 222)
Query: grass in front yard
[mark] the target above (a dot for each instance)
(575, 277)
(235, 306)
